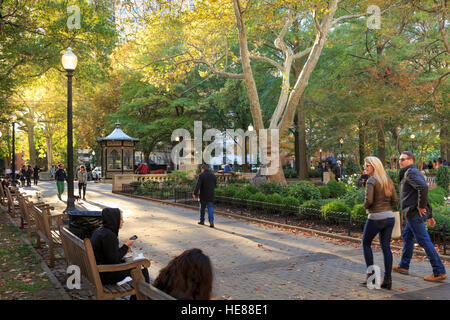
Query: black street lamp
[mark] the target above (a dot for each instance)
(14, 120)
(69, 62)
(341, 142)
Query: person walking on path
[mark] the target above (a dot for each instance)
(379, 199)
(52, 171)
(415, 206)
(36, 171)
(60, 177)
(29, 174)
(23, 175)
(206, 184)
(82, 181)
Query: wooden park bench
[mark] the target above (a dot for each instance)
(26, 214)
(13, 205)
(47, 229)
(80, 253)
(3, 198)
(149, 292)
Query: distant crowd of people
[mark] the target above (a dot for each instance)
(24, 175)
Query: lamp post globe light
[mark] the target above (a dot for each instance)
(69, 61)
(412, 136)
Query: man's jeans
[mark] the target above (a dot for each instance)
(384, 229)
(415, 228)
(203, 206)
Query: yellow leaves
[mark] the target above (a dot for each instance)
(203, 74)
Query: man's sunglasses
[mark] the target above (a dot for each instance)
(403, 159)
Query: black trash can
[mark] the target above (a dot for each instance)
(83, 223)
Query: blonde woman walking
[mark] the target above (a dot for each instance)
(379, 199)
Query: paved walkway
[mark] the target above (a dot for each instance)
(252, 261)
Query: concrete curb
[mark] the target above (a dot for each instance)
(44, 265)
(233, 215)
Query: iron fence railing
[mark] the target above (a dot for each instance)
(291, 214)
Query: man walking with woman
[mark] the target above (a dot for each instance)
(416, 208)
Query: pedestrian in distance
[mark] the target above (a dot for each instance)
(29, 175)
(60, 177)
(23, 175)
(5, 184)
(82, 181)
(380, 197)
(188, 276)
(416, 208)
(206, 184)
(52, 171)
(339, 171)
(36, 171)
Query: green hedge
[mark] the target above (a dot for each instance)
(261, 197)
(274, 198)
(443, 177)
(324, 192)
(303, 191)
(334, 206)
(437, 196)
(290, 201)
(337, 189)
(359, 213)
(269, 187)
(242, 194)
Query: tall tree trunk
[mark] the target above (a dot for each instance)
(444, 137)
(381, 141)
(362, 143)
(49, 140)
(303, 175)
(296, 144)
(31, 147)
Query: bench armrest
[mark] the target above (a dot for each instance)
(123, 266)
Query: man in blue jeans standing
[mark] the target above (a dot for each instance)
(414, 200)
(206, 184)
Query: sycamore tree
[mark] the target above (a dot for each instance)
(205, 32)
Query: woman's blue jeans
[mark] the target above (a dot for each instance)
(384, 229)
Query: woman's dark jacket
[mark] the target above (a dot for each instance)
(375, 199)
(105, 243)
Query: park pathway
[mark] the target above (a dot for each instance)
(252, 261)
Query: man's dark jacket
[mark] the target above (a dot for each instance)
(105, 243)
(206, 184)
(60, 175)
(413, 192)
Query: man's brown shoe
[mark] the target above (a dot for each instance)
(400, 270)
(433, 278)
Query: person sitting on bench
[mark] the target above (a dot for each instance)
(105, 243)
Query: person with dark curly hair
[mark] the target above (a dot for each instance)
(188, 276)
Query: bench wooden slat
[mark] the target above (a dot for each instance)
(152, 293)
